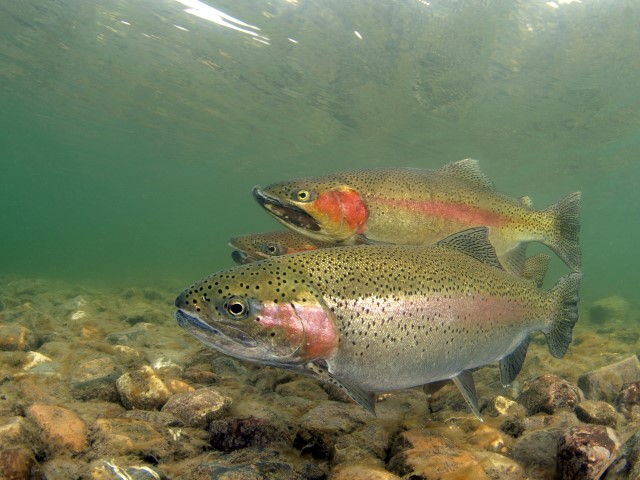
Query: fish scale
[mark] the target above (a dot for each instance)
(375, 318)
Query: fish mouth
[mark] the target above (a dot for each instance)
(242, 258)
(215, 337)
(287, 214)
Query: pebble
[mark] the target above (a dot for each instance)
(321, 426)
(134, 335)
(626, 465)
(16, 337)
(199, 407)
(537, 449)
(126, 436)
(19, 464)
(597, 412)
(500, 405)
(488, 438)
(362, 472)
(629, 397)
(547, 393)
(498, 466)
(585, 451)
(35, 359)
(302, 388)
(60, 428)
(234, 433)
(95, 380)
(606, 382)
(142, 389)
(424, 454)
(14, 431)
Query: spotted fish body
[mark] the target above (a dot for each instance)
(376, 318)
(421, 207)
(260, 246)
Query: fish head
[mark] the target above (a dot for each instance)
(324, 210)
(260, 246)
(254, 313)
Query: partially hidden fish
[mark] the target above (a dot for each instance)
(420, 207)
(259, 246)
(378, 318)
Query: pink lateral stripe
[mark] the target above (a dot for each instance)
(465, 214)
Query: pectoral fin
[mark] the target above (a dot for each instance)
(466, 385)
(320, 371)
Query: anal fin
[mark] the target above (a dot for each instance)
(466, 385)
(511, 364)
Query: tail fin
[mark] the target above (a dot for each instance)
(559, 334)
(564, 240)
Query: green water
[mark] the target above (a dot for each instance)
(132, 131)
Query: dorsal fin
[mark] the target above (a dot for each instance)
(475, 243)
(468, 171)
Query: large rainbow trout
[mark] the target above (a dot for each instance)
(376, 318)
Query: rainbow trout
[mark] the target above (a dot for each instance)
(376, 318)
(259, 246)
(419, 207)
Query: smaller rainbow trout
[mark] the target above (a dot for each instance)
(419, 207)
(259, 246)
(377, 318)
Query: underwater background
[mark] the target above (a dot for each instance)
(132, 131)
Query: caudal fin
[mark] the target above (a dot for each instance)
(559, 334)
(564, 239)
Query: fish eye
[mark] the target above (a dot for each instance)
(236, 308)
(273, 249)
(303, 196)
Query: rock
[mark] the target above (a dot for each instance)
(369, 441)
(500, 467)
(605, 383)
(67, 468)
(201, 374)
(303, 388)
(142, 389)
(60, 428)
(178, 386)
(112, 471)
(96, 380)
(423, 454)
(320, 427)
(488, 438)
(198, 408)
(629, 397)
(132, 336)
(500, 405)
(19, 464)
(548, 393)
(160, 420)
(35, 359)
(585, 452)
(15, 431)
(234, 433)
(126, 436)
(626, 465)
(258, 470)
(362, 472)
(537, 449)
(597, 412)
(609, 309)
(16, 337)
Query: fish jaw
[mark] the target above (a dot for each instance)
(286, 213)
(336, 215)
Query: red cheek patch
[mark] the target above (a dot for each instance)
(343, 205)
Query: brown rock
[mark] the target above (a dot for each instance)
(605, 383)
(362, 472)
(19, 464)
(198, 408)
(548, 393)
(500, 467)
(16, 337)
(537, 449)
(585, 452)
(95, 379)
(124, 436)
(488, 438)
(629, 396)
(303, 388)
(597, 412)
(14, 431)
(500, 405)
(235, 433)
(60, 428)
(142, 389)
